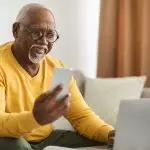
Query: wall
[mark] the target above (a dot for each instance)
(77, 24)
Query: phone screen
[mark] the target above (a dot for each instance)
(61, 76)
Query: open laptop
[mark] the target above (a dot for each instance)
(133, 125)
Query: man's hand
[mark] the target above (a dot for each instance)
(47, 108)
(111, 137)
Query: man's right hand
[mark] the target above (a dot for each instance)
(47, 108)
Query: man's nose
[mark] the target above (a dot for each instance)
(43, 41)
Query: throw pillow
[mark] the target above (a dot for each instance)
(103, 95)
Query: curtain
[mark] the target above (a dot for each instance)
(124, 39)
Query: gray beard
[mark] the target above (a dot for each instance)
(35, 60)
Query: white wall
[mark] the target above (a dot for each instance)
(77, 24)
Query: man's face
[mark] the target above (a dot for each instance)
(36, 36)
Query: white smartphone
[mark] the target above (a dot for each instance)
(61, 76)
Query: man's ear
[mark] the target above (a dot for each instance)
(15, 29)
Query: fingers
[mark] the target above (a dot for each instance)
(60, 105)
(50, 94)
(57, 112)
(65, 97)
(64, 100)
(47, 108)
(112, 134)
(54, 93)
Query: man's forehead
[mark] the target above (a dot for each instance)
(33, 15)
(44, 26)
(39, 17)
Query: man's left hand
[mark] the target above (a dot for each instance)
(111, 137)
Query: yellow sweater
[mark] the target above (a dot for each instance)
(18, 91)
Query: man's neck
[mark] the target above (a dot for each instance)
(30, 68)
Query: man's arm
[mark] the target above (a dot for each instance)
(83, 119)
(14, 124)
(46, 110)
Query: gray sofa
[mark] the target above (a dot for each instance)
(80, 78)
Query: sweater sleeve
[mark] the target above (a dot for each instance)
(83, 119)
(14, 124)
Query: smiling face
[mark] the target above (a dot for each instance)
(34, 32)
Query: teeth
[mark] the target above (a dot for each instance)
(38, 55)
(40, 51)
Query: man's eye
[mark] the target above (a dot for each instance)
(50, 35)
(36, 34)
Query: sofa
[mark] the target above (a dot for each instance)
(81, 80)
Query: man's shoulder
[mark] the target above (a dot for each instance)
(4, 48)
(55, 62)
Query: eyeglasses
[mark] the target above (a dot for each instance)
(36, 34)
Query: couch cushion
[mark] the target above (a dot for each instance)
(104, 94)
(80, 80)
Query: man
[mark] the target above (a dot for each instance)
(27, 108)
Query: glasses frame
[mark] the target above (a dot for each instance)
(34, 39)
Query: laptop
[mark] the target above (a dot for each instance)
(133, 125)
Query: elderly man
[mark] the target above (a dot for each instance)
(27, 108)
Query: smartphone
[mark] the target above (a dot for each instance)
(61, 76)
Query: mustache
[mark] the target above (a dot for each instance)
(40, 47)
